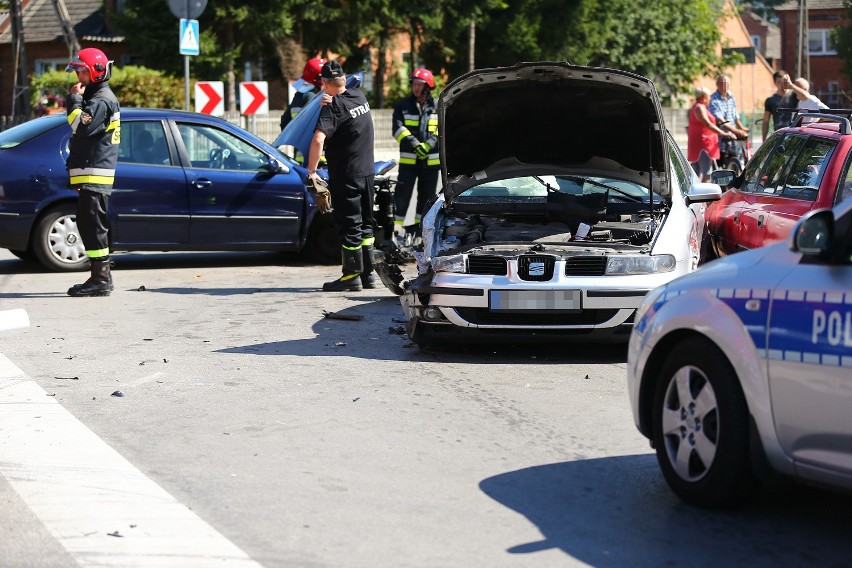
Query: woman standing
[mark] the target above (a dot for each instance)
(703, 136)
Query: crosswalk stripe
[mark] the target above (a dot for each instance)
(99, 507)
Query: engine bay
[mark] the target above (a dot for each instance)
(461, 231)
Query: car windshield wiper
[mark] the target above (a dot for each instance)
(545, 184)
(605, 186)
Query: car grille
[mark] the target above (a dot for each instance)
(484, 316)
(585, 266)
(536, 268)
(485, 264)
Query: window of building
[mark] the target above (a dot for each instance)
(42, 66)
(819, 42)
(832, 98)
(755, 41)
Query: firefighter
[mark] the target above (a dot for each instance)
(307, 87)
(345, 128)
(415, 127)
(93, 114)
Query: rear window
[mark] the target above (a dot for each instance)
(17, 135)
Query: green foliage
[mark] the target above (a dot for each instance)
(842, 37)
(133, 86)
(670, 41)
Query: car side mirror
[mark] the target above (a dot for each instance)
(275, 166)
(703, 193)
(723, 178)
(813, 235)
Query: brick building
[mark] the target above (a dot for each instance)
(765, 36)
(751, 81)
(46, 47)
(820, 63)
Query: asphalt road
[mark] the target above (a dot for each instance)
(251, 421)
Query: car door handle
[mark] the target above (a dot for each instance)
(736, 217)
(202, 183)
(760, 221)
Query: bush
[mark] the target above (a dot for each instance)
(133, 86)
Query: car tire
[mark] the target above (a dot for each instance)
(701, 427)
(56, 241)
(323, 243)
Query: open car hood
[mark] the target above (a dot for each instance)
(551, 118)
(300, 131)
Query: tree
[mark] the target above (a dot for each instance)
(842, 37)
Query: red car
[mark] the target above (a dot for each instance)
(797, 169)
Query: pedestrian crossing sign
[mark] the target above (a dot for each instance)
(189, 44)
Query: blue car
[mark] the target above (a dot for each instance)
(184, 182)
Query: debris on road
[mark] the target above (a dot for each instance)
(117, 393)
(335, 316)
(140, 289)
(397, 330)
(67, 378)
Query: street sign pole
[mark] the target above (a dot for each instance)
(187, 11)
(186, 81)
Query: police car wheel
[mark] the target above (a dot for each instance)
(701, 426)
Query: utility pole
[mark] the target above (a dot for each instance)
(803, 59)
(21, 80)
(67, 28)
(471, 65)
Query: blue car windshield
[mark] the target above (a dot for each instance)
(538, 186)
(27, 131)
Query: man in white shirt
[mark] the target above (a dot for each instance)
(807, 101)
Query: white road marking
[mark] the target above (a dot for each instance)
(86, 494)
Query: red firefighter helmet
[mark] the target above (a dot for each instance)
(310, 75)
(423, 75)
(94, 61)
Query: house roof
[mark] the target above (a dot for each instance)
(772, 47)
(41, 24)
(812, 5)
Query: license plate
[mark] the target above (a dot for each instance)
(540, 300)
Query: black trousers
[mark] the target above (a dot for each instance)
(93, 223)
(352, 200)
(427, 184)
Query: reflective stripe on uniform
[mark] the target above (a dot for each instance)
(368, 242)
(74, 118)
(103, 176)
(351, 248)
(346, 277)
(401, 133)
(407, 158)
(100, 253)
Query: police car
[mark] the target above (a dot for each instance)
(744, 367)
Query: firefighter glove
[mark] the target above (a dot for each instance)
(323, 200)
(422, 150)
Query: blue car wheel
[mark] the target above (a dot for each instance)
(56, 241)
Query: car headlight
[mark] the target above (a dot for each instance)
(449, 263)
(640, 264)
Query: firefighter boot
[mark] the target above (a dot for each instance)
(98, 283)
(353, 265)
(368, 279)
(111, 285)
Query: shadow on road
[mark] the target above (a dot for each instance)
(618, 511)
(380, 334)
(132, 261)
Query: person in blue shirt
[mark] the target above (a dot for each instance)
(723, 106)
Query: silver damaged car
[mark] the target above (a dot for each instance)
(564, 202)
